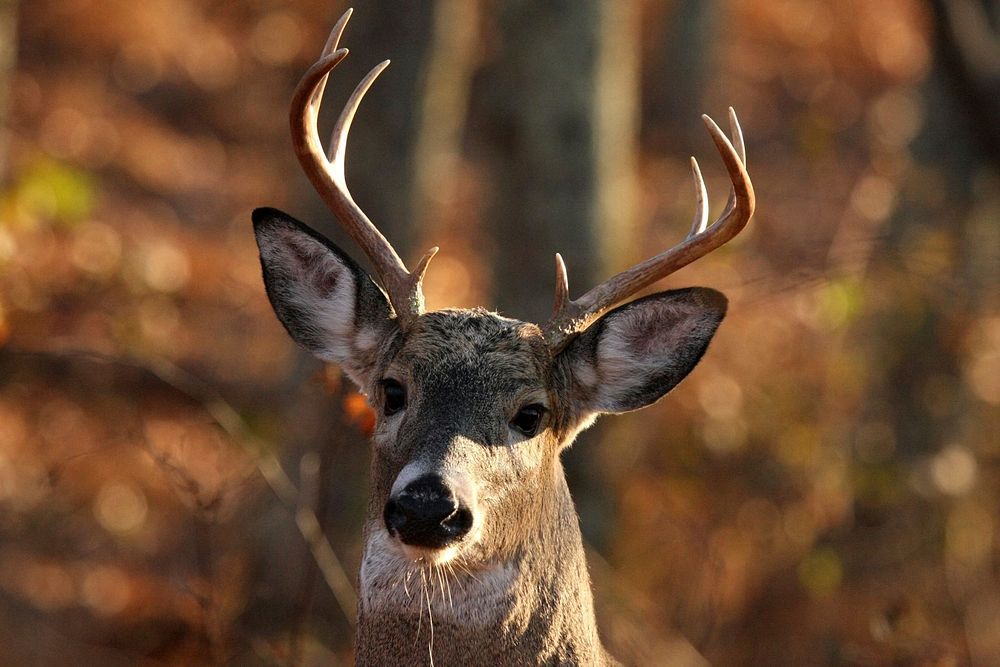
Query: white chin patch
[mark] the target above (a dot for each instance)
(427, 556)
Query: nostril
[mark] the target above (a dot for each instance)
(430, 510)
(459, 523)
(394, 516)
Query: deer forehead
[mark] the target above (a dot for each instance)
(472, 350)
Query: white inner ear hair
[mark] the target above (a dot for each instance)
(640, 342)
(323, 287)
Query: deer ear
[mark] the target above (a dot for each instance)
(328, 304)
(635, 354)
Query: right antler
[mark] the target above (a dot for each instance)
(570, 318)
(326, 171)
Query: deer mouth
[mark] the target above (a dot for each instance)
(425, 556)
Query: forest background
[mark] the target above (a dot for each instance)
(823, 489)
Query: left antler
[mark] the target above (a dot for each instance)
(570, 318)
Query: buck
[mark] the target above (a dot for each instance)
(472, 547)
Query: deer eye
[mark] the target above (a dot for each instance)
(394, 396)
(527, 419)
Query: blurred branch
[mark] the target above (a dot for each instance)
(313, 475)
(236, 428)
(270, 468)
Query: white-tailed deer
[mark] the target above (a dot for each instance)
(472, 547)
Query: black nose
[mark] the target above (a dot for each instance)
(427, 514)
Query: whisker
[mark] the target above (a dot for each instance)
(440, 580)
(420, 618)
(406, 583)
(447, 584)
(430, 620)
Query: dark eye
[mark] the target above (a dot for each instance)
(394, 396)
(528, 418)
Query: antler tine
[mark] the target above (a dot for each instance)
(562, 286)
(326, 172)
(700, 222)
(573, 317)
(701, 212)
(736, 132)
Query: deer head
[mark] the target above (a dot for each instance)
(474, 408)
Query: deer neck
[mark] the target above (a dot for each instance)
(534, 606)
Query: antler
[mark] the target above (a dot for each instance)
(570, 318)
(326, 171)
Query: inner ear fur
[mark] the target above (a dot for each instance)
(635, 354)
(327, 303)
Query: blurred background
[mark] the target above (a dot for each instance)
(179, 485)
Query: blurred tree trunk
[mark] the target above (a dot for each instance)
(380, 171)
(443, 112)
(969, 50)
(561, 98)
(381, 153)
(397, 128)
(938, 267)
(8, 63)
(679, 57)
(561, 102)
(941, 238)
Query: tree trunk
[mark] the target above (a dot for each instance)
(934, 301)
(680, 64)
(561, 102)
(938, 270)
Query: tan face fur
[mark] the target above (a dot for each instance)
(466, 374)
